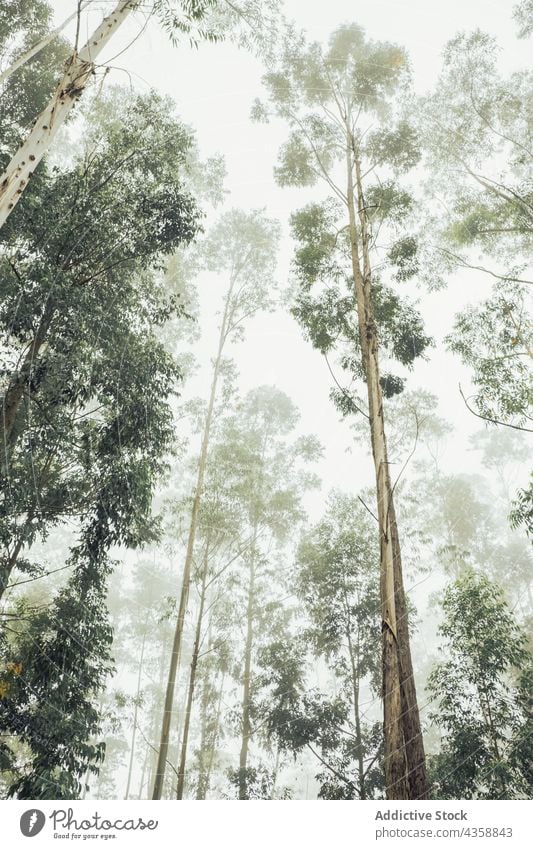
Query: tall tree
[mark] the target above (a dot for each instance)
(343, 105)
(243, 246)
(56, 316)
(264, 464)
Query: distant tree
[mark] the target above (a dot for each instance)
(482, 697)
(265, 466)
(243, 247)
(523, 15)
(477, 134)
(336, 580)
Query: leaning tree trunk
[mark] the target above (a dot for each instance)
(79, 69)
(186, 582)
(204, 776)
(192, 682)
(246, 723)
(399, 742)
(356, 686)
(135, 719)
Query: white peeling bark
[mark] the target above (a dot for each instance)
(78, 70)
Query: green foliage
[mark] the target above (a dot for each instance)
(25, 93)
(483, 704)
(325, 304)
(495, 340)
(344, 107)
(336, 581)
(523, 15)
(522, 512)
(83, 291)
(404, 255)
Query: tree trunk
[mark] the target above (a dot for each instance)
(135, 716)
(192, 681)
(202, 751)
(395, 755)
(78, 70)
(184, 595)
(414, 741)
(143, 772)
(246, 725)
(203, 787)
(354, 664)
(275, 774)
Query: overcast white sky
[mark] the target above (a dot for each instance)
(214, 87)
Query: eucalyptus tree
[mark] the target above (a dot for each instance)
(220, 532)
(264, 464)
(348, 129)
(198, 19)
(481, 690)
(337, 581)
(242, 246)
(35, 18)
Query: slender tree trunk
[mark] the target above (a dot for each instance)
(395, 757)
(246, 725)
(275, 774)
(354, 663)
(184, 595)
(135, 716)
(79, 69)
(203, 789)
(143, 772)
(413, 742)
(204, 707)
(192, 681)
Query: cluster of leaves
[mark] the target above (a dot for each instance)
(24, 94)
(482, 693)
(83, 291)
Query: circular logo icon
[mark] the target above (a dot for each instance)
(32, 822)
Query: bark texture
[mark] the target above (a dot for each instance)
(405, 775)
